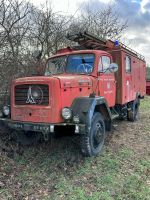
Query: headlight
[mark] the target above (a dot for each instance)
(66, 113)
(6, 110)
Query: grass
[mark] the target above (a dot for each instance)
(145, 105)
(56, 170)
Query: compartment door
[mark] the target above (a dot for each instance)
(128, 80)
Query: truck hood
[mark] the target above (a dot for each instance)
(32, 79)
(65, 80)
(74, 80)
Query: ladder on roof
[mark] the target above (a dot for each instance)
(88, 41)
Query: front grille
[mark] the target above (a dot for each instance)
(32, 94)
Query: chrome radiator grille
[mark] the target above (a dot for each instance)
(32, 94)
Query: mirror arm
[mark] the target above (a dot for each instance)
(103, 72)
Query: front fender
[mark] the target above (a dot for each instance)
(85, 107)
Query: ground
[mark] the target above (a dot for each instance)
(56, 170)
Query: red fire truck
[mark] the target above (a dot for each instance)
(85, 87)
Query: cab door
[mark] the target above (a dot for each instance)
(107, 82)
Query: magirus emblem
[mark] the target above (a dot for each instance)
(34, 95)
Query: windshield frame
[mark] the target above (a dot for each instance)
(71, 54)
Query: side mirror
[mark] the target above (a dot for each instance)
(37, 55)
(113, 67)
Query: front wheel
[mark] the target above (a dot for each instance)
(93, 141)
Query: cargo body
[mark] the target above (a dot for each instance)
(130, 76)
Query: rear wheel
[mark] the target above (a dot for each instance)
(93, 141)
(133, 110)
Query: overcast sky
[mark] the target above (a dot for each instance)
(137, 12)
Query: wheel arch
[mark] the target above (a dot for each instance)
(85, 107)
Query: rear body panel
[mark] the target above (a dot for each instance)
(129, 84)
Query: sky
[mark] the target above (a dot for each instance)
(136, 12)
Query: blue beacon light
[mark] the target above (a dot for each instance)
(116, 43)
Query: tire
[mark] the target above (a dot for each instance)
(133, 113)
(93, 141)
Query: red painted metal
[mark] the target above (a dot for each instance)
(117, 88)
(129, 84)
(148, 87)
(64, 50)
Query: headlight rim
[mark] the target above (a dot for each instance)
(69, 109)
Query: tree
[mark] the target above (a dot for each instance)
(13, 31)
(48, 30)
(25, 28)
(14, 26)
(102, 23)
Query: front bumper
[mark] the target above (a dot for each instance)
(40, 127)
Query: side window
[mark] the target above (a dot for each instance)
(104, 64)
(128, 64)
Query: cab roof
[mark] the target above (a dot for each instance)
(64, 52)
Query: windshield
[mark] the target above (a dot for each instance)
(71, 64)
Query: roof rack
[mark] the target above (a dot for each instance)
(131, 50)
(88, 41)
